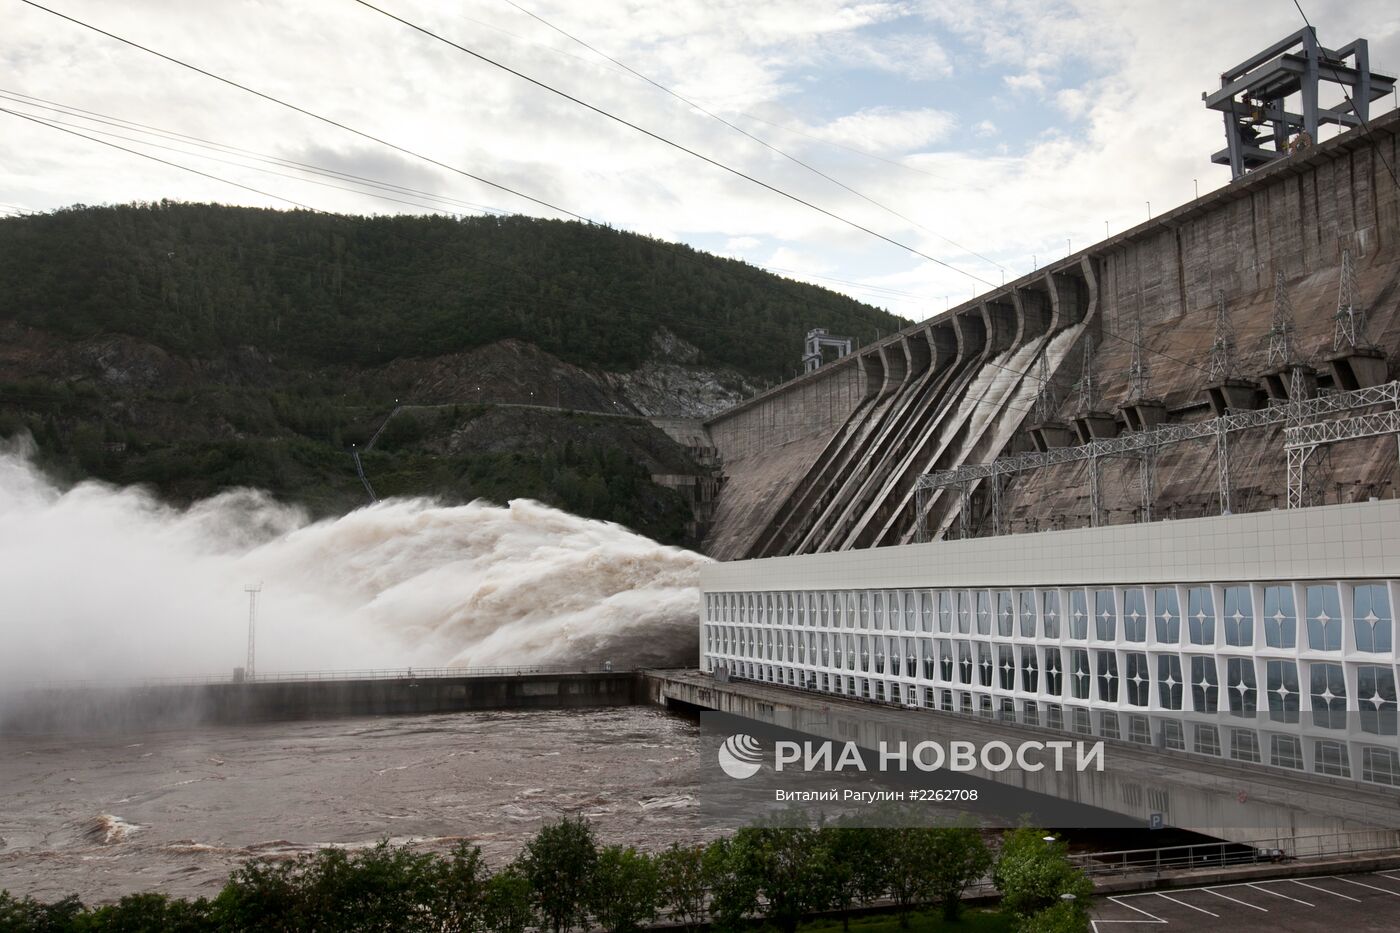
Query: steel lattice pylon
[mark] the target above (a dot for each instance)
(1087, 398)
(1222, 351)
(1139, 372)
(1281, 330)
(1350, 331)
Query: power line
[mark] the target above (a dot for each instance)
(762, 142)
(121, 123)
(301, 110)
(145, 155)
(669, 142)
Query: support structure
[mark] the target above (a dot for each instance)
(817, 340)
(1281, 329)
(1253, 98)
(1350, 330)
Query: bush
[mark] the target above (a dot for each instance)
(625, 889)
(681, 884)
(1033, 874)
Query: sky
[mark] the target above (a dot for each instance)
(991, 137)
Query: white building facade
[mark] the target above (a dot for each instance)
(1266, 638)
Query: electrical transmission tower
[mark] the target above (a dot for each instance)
(1045, 397)
(253, 589)
(1139, 373)
(1222, 351)
(1281, 331)
(1086, 378)
(1350, 333)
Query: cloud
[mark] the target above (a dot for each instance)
(885, 129)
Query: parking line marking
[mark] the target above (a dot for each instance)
(1228, 898)
(1371, 886)
(1184, 904)
(1381, 874)
(1284, 896)
(1323, 890)
(1154, 917)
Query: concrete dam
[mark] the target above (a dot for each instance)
(1227, 303)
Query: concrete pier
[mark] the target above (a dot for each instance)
(117, 709)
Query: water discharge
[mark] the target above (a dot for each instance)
(106, 582)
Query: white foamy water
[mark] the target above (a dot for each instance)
(102, 582)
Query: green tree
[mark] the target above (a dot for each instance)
(1033, 872)
(912, 853)
(625, 889)
(733, 892)
(461, 884)
(26, 915)
(507, 906)
(560, 862)
(789, 869)
(859, 864)
(682, 887)
(959, 857)
(148, 913)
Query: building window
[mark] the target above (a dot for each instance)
(964, 662)
(1134, 615)
(1172, 735)
(1105, 616)
(911, 658)
(1108, 676)
(1108, 724)
(1139, 678)
(1370, 615)
(945, 611)
(1200, 615)
(1169, 682)
(1030, 671)
(1380, 765)
(1205, 685)
(838, 602)
(911, 621)
(851, 652)
(823, 612)
(1054, 716)
(1280, 618)
(880, 655)
(1329, 695)
(836, 652)
(1244, 745)
(964, 612)
(1139, 730)
(1078, 615)
(966, 702)
(984, 705)
(984, 612)
(1286, 751)
(1032, 713)
(1243, 689)
(926, 610)
(1007, 712)
(1079, 721)
(1026, 601)
(984, 664)
(1079, 673)
(1324, 618)
(852, 616)
(1007, 667)
(945, 660)
(1206, 740)
(1375, 694)
(877, 611)
(1239, 617)
(1167, 609)
(1006, 616)
(1050, 613)
(926, 650)
(945, 701)
(896, 664)
(1053, 680)
(1331, 758)
(863, 614)
(1281, 685)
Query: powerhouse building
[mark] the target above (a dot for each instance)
(1265, 638)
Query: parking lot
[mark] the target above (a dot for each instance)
(1356, 903)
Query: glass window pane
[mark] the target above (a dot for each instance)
(1105, 616)
(1200, 615)
(1167, 610)
(1239, 617)
(1134, 615)
(1370, 613)
(1324, 618)
(1280, 617)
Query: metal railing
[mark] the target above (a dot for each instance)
(1224, 854)
(398, 673)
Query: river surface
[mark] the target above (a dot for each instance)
(176, 811)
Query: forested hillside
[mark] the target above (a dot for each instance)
(200, 278)
(195, 347)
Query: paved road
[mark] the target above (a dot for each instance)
(1364, 903)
